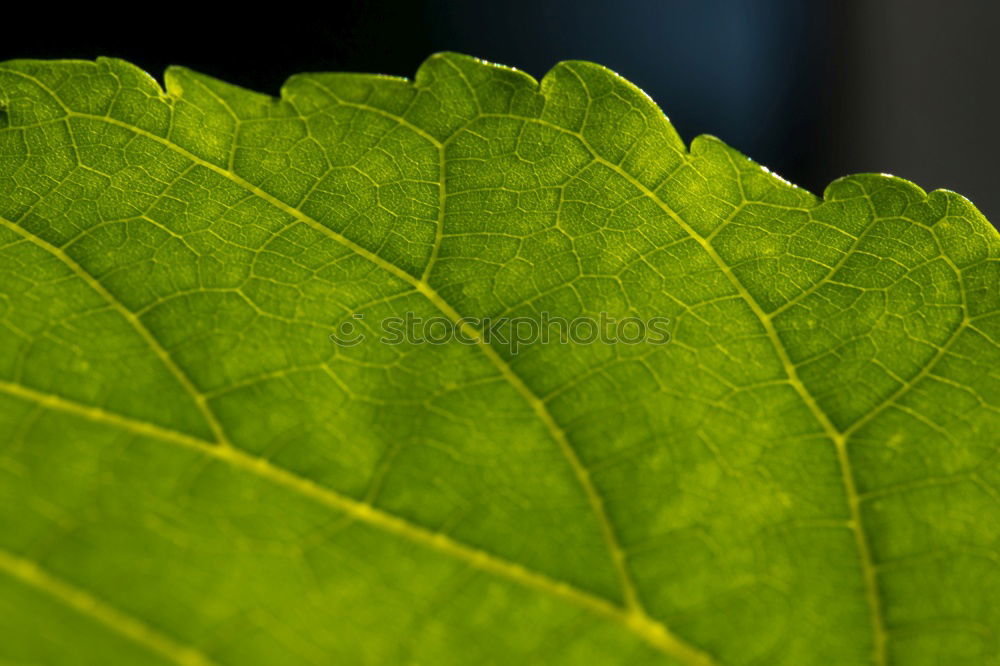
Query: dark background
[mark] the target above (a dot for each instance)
(814, 90)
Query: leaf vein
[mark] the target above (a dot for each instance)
(555, 431)
(644, 627)
(86, 604)
(147, 336)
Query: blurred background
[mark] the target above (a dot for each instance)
(812, 89)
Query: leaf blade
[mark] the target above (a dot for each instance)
(586, 150)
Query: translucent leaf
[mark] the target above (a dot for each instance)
(197, 467)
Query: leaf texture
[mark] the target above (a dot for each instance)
(191, 472)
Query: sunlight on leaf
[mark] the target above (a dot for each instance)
(216, 446)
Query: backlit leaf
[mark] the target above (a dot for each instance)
(803, 471)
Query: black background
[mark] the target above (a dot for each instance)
(811, 89)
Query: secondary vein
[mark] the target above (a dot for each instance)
(839, 439)
(868, 569)
(616, 552)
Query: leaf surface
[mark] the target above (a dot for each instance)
(192, 472)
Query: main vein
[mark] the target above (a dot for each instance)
(645, 628)
(83, 602)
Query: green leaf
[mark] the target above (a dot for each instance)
(192, 471)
